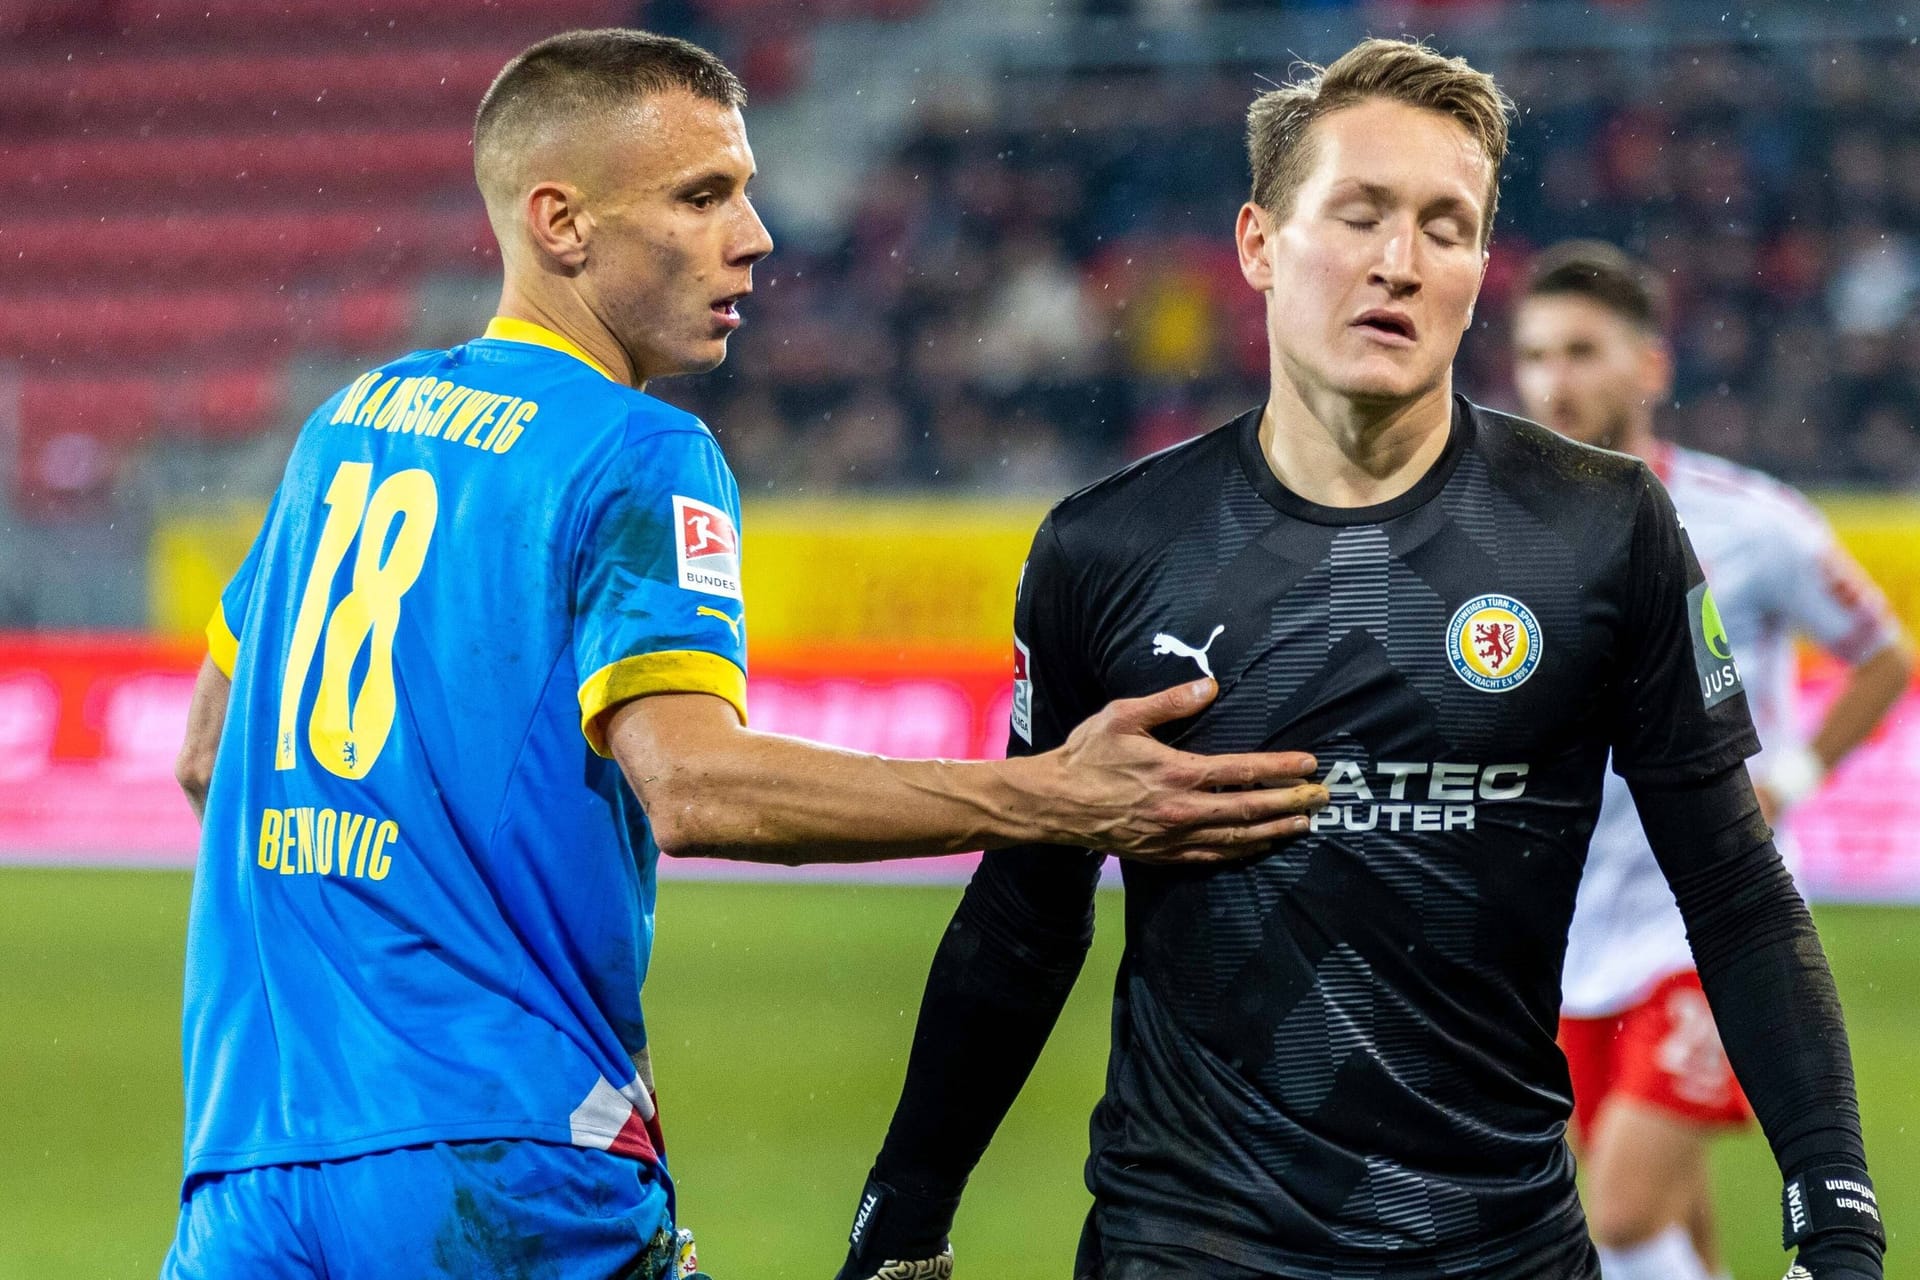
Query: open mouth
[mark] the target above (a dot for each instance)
(727, 309)
(1387, 324)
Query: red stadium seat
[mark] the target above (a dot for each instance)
(50, 17)
(749, 13)
(75, 432)
(120, 410)
(202, 324)
(237, 184)
(237, 403)
(368, 321)
(268, 90)
(316, 167)
(431, 20)
(125, 409)
(272, 247)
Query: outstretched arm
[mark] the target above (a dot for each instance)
(1778, 1012)
(714, 788)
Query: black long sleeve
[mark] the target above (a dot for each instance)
(1009, 958)
(1000, 977)
(1760, 961)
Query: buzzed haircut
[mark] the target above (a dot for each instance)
(1604, 274)
(577, 75)
(1279, 144)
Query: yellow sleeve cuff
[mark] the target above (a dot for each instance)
(222, 645)
(675, 671)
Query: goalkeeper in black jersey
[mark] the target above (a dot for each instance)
(1339, 1061)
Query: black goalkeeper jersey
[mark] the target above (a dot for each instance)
(1339, 1060)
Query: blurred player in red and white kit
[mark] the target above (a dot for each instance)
(1651, 1081)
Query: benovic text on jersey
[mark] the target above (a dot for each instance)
(310, 840)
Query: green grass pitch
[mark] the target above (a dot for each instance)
(780, 1017)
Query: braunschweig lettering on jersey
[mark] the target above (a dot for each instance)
(436, 408)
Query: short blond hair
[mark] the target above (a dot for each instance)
(571, 80)
(1280, 144)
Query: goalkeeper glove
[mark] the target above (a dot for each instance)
(899, 1236)
(1833, 1217)
(1834, 1258)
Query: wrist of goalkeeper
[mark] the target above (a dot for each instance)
(899, 1233)
(1839, 1255)
(1832, 1216)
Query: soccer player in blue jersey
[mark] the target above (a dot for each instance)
(483, 664)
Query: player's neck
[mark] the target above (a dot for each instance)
(569, 316)
(1337, 452)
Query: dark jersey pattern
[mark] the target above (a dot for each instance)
(1338, 1061)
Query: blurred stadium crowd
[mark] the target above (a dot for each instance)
(225, 207)
(1041, 285)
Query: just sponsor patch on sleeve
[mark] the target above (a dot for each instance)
(1712, 651)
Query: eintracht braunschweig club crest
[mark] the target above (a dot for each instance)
(1494, 642)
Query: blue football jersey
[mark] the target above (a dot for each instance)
(424, 903)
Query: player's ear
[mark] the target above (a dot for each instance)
(559, 224)
(1250, 234)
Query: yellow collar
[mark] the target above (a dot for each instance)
(508, 329)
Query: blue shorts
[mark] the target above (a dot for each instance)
(485, 1210)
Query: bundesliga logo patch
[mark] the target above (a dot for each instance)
(1493, 642)
(706, 548)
